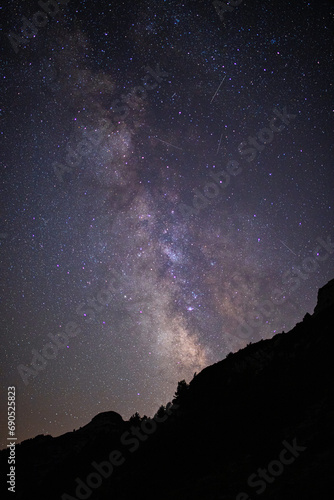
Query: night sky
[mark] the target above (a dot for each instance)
(166, 194)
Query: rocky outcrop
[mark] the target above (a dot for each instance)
(325, 297)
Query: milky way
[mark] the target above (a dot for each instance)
(167, 187)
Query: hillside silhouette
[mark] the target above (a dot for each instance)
(257, 424)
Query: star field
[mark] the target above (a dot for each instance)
(164, 173)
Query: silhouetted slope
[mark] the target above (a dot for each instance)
(232, 419)
(236, 414)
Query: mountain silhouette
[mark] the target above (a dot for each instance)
(257, 424)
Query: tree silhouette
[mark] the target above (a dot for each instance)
(181, 391)
(135, 419)
(161, 412)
